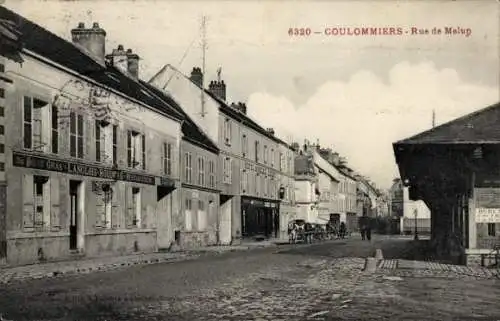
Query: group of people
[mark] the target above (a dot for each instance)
(366, 231)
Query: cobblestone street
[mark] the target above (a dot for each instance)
(323, 281)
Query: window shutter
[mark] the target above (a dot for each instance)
(115, 208)
(28, 201)
(55, 192)
(129, 215)
(100, 213)
(143, 215)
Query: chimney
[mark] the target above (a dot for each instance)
(270, 131)
(118, 58)
(218, 88)
(92, 40)
(335, 159)
(241, 107)
(133, 63)
(197, 76)
(295, 146)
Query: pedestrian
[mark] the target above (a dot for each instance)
(368, 231)
(363, 232)
(342, 230)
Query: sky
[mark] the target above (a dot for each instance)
(354, 94)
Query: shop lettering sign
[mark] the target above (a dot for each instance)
(43, 163)
(487, 215)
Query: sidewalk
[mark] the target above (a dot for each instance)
(88, 265)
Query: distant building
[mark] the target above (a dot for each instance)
(256, 166)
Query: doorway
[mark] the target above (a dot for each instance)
(74, 194)
(164, 197)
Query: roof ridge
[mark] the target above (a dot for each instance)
(448, 123)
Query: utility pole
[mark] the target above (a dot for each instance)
(433, 118)
(204, 49)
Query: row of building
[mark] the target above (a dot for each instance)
(95, 161)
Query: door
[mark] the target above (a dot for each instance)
(73, 224)
(225, 223)
(164, 216)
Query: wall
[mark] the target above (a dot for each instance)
(197, 191)
(39, 80)
(188, 95)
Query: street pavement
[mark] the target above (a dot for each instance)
(322, 281)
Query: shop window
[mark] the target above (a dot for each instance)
(202, 216)
(134, 207)
(40, 202)
(188, 208)
(491, 229)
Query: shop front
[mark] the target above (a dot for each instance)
(259, 217)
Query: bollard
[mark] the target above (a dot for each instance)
(378, 254)
(370, 265)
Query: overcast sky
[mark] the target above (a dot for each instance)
(356, 94)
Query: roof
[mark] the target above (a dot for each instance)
(190, 130)
(58, 50)
(479, 127)
(231, 112)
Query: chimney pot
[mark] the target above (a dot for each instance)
(129, 50)
(120, 47)
(95, 25)
(81, 25)
(92, 40)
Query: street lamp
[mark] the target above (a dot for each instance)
(416, 232)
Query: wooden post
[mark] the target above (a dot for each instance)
(472, 214)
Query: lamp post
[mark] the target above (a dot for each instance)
(416, 231)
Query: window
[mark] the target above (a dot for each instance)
(272, 158)
(2, 68)
(55, 130)
(227, 131)
(105, 142)
(265, 154)
(134, 207)
(76, 135)
(282, 162)
(244, 181)
(187, 214)
(244, 145)
(167, 159)
(202, 216)
(40, 202)
(491, 229)
(211, 173)
(35, 110)
(201, 171)
(115, 144)
(188, 172)
(227, 170)
(104, 206)
(2, 130)
(136, 150)
(2, 93)
(266, 186)
(257, 151)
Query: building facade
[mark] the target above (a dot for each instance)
(82, 168)
(249, 160)
(306, 187)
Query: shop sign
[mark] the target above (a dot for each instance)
(69, 167)
(487, 215)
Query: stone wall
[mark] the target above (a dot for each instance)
(192, 240)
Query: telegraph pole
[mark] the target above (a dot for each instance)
(204, 49)
(433, 118)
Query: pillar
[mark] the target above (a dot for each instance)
(472, 214)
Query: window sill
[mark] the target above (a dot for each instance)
(111, 231)
(28, 233)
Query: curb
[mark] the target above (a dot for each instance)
(178, 256)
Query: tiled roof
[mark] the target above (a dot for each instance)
(190, 130)
(231, 112)
(478, 127)
(46, 44)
